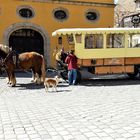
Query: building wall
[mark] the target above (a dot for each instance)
(45, 23)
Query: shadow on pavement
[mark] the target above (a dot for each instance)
(29, 86)
(34, 86)
(110, 82)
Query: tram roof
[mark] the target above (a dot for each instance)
(94, 30)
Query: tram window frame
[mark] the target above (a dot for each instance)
(113, 40)
(94, 41)
(78, 38)
(134, 41)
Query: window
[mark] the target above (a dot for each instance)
(78, 38)
(70, 39)
(134, 40)
(60, 40)
(60, 14)
(115, 41)
(137, 4)
(93, 41)
(24, 32)
(25, 13)
(92, 15)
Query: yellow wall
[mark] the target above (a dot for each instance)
(44, 17)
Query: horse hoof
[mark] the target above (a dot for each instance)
(13, 85)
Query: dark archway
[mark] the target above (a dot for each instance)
(26, 40)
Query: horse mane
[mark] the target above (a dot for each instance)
(4, 48)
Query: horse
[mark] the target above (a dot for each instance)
(24, 61)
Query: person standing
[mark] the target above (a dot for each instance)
(71, 61)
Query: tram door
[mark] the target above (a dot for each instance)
(26, 40)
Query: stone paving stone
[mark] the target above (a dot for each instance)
(120, 139)
(58, 137)
(60, 128)
(1, 136)
(68, 137)
(115, 135)
(28, 128)
(95, 138)
(63, 133)
(43, 132)
(31, 132)
(75, 133)
(11, 136)
(133, 138)
(33, 136)
(135, 131)
(90, 134)
(127, 135)
(108, 130)
(45, 136)
(107, 138)
(81, 137)
(23, 139)
(53, 133)
(21, 136)
(36, 139)
(84, 130)
(102, 134)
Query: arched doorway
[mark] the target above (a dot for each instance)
(26, 40)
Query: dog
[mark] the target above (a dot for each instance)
(51, 82)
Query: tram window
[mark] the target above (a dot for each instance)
(115, 41)
(89, 39)
(70, 39)
(78, 38)
(134, 40)
(99, 41)
(94, 41)
(60, 40)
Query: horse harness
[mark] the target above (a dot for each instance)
(14, 56)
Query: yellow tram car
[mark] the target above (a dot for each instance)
(104, 50)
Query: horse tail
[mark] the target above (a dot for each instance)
(43, 69)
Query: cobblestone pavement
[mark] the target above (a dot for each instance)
(99, 109)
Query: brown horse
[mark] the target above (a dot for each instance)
(25, 61)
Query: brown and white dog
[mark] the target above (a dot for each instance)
(51, 82)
